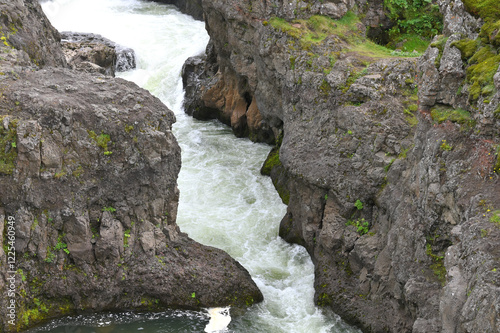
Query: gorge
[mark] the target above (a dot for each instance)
(388, 164)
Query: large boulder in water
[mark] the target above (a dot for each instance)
(94, 53)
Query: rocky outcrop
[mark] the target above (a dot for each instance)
(94, 53)
(88, 199)
(389, 165)
(190, 7)
(22, 23)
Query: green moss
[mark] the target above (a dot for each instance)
(325, 87)
(324, 299)
(489, 33)
(129, 128)
(495, 217)
(486, 9)
(483, 66)
(439, 44)
(467, 47)
(101, 140)
(8, 146)
(443, 113)
(496, 168)
(437, 265)
(273, 160)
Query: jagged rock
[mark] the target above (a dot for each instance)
(191, 7)
(22, 22)
(94, 53)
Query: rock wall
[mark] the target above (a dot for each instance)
(389, 165)
(88, 193)
(190, 7)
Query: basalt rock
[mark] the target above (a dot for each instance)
(88, 199)
(22, 23)
(190, 7)
(389, 166)
(94, 53)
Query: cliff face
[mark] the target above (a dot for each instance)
(88, 199)
(389, 165)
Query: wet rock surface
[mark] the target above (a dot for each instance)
(88, 172)
(389, 166)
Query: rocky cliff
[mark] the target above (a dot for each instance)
(389, 165)
(88, 192)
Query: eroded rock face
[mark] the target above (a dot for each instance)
(396, 205)
(88, 172)
(23, 22)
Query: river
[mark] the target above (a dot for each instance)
(224, 202)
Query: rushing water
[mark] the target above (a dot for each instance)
(224, 202)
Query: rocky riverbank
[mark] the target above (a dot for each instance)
(88, 179)
(389, 165)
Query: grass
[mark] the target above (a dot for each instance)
(411, 42)
(317, 28)
(443, 113)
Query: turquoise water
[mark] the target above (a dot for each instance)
(224, 202)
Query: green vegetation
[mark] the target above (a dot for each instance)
(101, 140)
(496, 168)
(317, 28)
(273, 160)
(437, 265)
(324, 299)
(467, 47)
(362, 226)
(486, 9)
(109, 209)
(420, 17)
(50, 256)
(416, 22)
(482, 56)
(445, 146)
(60, 245)
(126, 237)
(443, 113)
(358, 204)
(439, 44)
(129, 128)
(495, 217)
(325, 87)
(312, 32)
(8, 146)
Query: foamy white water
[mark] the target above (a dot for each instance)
(225, 202)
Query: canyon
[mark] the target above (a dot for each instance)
(389, 164)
